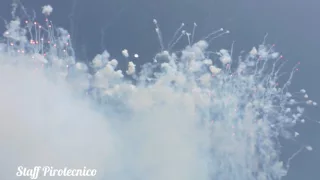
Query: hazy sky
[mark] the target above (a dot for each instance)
(292, 25)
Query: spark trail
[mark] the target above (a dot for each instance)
(185, 116)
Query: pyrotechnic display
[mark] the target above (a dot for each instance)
(189, 114)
